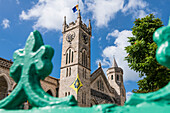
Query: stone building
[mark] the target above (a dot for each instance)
(76, 61)
(7, 84)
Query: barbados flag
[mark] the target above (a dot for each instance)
(76, 85)
(75, 8)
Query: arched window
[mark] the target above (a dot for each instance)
(85, 73)
(69, 55)
(111, 77)
(117, 77)
(98, 85)
(49, 92)
(67, 72)
(83, 98)
(70, 72)
(66, 58)
(72, 56)
(84, 58)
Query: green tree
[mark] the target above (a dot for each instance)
(141, 55)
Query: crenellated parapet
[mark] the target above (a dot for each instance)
(5, 63)
(77, 23)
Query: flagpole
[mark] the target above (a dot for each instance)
(78, 4)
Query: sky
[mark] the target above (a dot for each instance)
(111, 20)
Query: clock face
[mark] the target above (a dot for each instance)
(70, 36)
(85, 38)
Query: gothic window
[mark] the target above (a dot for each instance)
(67, 72)
(117, 77)
(68, 93)
(66, 58)
(84, 58)
(69, 56)
(70, 71)
(84, 98)
(85, 74)
(72, 56)
(111, 77)
(65, 94)
(100, 85)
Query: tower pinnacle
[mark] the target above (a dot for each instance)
(114, 62)
(64, 20)
(79, 17)
(89, 24)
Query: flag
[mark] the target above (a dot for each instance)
(76, 85)
(75, 8)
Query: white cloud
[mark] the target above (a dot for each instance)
(119, 53)
(134, 4)
(5, 23)
(115, 33)
(49, 14)
(61, 39)
(136, 8)
(104, 10)
(128, 94)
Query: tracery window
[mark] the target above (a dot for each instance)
(84, 58)
(100, 85)
(69, 56)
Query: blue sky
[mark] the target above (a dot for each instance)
(112, 21)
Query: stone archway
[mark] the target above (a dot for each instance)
(3, 87)
(49, 92)
(93, 102)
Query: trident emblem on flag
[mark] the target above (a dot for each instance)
(76, 85)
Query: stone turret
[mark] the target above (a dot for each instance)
(115, 78)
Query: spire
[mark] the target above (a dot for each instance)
(99, 65)
(79, 17)
(64, 20)
(114, 62)
(89, 24)
(64, 24)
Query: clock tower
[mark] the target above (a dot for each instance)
(76, 60)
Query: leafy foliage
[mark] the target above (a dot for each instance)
(141, 55)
